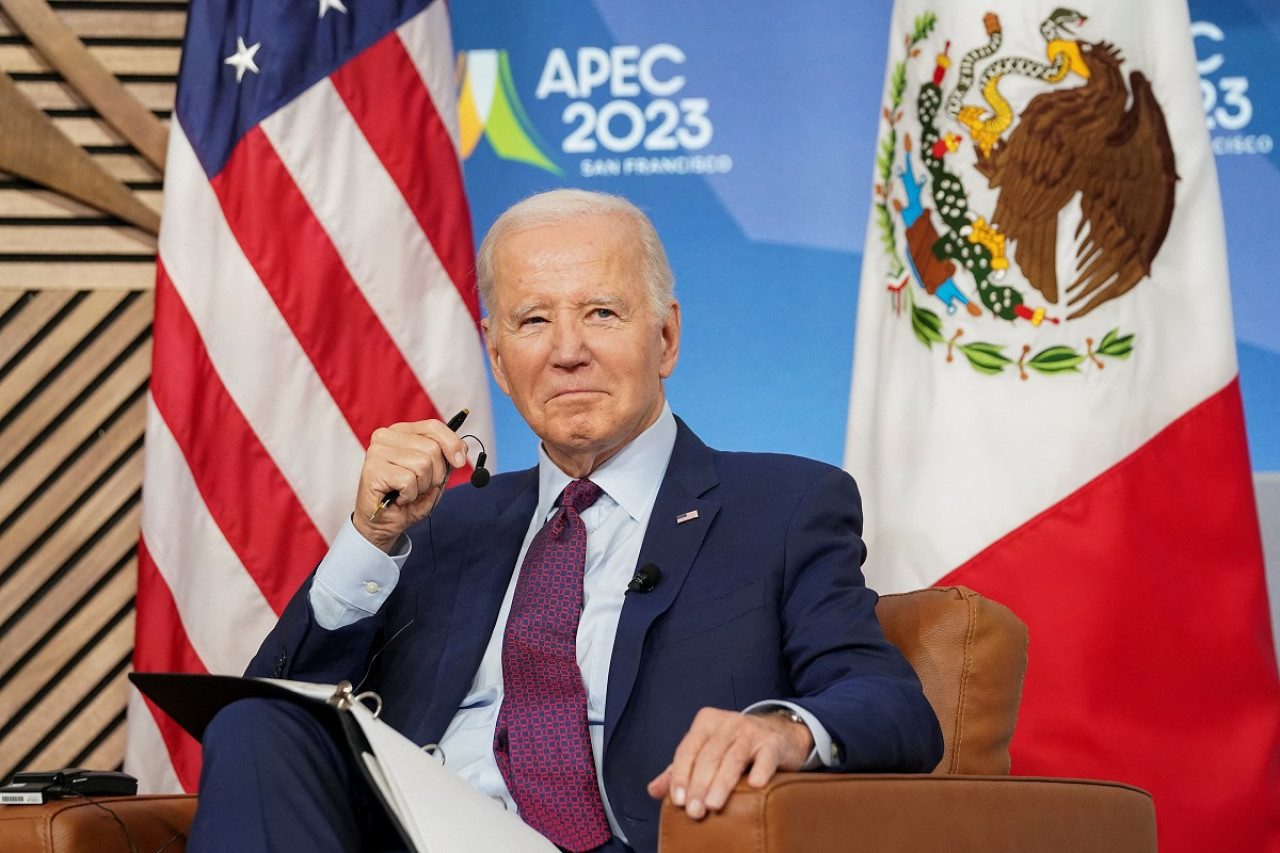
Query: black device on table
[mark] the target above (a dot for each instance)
(43, 786)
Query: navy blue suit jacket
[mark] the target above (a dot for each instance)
(761, 597)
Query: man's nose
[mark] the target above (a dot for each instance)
(569, 345)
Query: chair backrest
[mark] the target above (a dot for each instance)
(971, 656)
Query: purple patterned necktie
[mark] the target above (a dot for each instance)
(541, 741)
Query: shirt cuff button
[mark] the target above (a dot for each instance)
(371, 587)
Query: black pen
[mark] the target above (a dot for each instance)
(454, 424)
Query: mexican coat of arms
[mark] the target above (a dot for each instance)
(1088, 138)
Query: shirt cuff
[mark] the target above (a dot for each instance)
(825, 752)
(354, 578)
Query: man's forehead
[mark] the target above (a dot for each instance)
(575, 260)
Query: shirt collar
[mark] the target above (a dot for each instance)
(630, 477)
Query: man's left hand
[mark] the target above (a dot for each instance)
(718, 749)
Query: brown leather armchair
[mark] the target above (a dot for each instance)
(970, 653)
(971, 656)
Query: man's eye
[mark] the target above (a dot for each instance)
(605, 313)
(528, 321)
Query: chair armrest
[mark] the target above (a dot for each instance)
(77, 825)
(799, 812)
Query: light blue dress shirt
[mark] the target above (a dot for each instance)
(355, 578)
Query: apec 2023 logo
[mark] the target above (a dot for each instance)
(1228, 110)
(626, 112)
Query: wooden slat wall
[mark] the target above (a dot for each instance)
(75, 349)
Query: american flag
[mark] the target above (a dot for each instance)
(314, 282)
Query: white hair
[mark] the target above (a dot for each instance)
(557, 207)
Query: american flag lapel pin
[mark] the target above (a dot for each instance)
(686, 516)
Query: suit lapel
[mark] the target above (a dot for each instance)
(485, 568)
(672, 545)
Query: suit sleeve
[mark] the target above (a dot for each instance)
(845, 672)
(303, 648)
(299, 648)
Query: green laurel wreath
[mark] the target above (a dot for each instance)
(990, 358)
(922, 26)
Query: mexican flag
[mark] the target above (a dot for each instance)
(1045, 402)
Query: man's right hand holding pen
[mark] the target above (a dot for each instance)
(406, 468)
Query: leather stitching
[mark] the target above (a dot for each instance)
(965, 669)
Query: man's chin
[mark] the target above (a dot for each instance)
(574, 441)
(574, 436)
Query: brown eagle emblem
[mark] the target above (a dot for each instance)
(1113, 151)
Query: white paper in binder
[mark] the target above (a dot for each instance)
(434, 809)
(440, 812)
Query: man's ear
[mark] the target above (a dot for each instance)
(670, 341)
(495, 359)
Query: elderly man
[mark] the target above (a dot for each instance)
(505, 625)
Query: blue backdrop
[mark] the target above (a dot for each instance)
(747, 134)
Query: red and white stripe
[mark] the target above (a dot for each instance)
(319, 287)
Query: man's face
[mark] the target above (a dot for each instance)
(573, 340)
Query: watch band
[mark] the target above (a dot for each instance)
(790, 714)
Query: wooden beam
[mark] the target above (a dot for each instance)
(72, 274)
(33, 148)
(65, 52)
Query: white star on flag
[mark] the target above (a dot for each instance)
(326, 5)
(242, 59)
